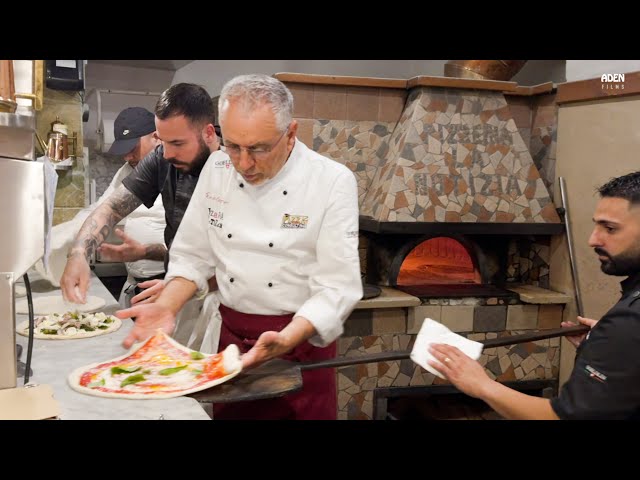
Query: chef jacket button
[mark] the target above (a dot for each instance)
(271, 244)
(284, 193)
(229, 236)
(231, 279)
(270, 284)
(241, 185)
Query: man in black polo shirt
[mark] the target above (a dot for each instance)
(605, 381)
(185, 126)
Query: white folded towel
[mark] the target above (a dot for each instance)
(434, 332)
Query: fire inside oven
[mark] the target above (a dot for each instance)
(438, 261)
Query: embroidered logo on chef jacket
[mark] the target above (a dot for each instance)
(222, 163)
(352, 234)
(596, 375)
(215, 218)
(294, 221)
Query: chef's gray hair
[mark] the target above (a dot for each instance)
(257, 90)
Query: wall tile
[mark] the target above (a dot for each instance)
(522, 317)
(389, 320)
(329, 103)
(305, 131)
(302, 99)
(363, 103)
(550, 316)
(391, 104)
(489, 319)
(359, 323)
(416, 316)
(458, 318)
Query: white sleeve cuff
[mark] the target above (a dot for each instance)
(191, 274)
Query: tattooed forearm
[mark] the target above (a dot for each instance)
(156, 251)
(122, 202)
(98, 226)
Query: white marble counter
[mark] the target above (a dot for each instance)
(53, 360)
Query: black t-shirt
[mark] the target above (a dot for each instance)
(154, 176)
(605, 381)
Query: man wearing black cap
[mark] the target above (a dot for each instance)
(142, 239)
(133, 132)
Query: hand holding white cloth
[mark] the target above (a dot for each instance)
(434, 332)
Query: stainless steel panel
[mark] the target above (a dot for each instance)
(17, 136)
(22, 223)
(8, 372)
(21, 215)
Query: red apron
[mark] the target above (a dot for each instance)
(317, 399)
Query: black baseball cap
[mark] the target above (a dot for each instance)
(131, 124)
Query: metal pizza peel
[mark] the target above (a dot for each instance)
(278, 377)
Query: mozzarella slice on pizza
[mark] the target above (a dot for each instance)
(159, 367)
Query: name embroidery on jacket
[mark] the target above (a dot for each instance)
(215, 218)
(215, 198)
(294, 221)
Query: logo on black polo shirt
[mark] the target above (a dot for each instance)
(596, 375)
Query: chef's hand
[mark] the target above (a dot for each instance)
(269, 345)
(149, 318)
(461, 370)
(577, 339)
(75, 278)
(152, 288)
(129, 250)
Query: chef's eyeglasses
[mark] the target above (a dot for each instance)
(257, 153)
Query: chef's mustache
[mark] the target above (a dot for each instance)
(602, 252)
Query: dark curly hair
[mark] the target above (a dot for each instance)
(626, 186)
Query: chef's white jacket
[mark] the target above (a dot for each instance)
(289, 245)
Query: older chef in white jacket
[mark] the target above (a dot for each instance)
(279, 231)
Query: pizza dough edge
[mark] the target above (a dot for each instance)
(74, 377)
(22, 327)
(38, 309)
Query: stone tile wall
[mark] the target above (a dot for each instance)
(381, 330)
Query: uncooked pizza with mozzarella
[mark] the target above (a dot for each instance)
(157, 368)
(70, 325)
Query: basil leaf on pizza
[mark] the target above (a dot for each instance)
(70, 325)
(159, 367)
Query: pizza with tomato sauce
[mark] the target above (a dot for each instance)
(157, 368)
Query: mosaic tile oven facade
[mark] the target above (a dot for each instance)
(392, 329)
(430, 155)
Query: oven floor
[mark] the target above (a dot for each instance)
(456, 291)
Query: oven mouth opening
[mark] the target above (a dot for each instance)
(446, 402)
